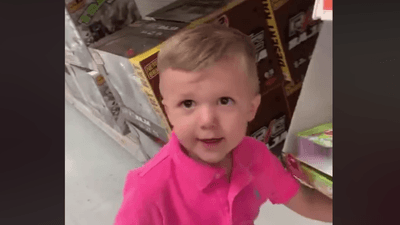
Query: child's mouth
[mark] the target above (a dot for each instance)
(211, 141)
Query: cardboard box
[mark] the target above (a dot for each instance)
(308, 175)
(187, 11)
(272, 120)
(315, 148)
(318, 180)
(313, 163)
(294, 34)
(128, 57)
(95, 19)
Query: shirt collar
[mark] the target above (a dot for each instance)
(201, 174)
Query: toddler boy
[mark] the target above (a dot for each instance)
(210, 172)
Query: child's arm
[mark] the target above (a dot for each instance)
(311, 204)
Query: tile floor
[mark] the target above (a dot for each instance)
(95, 169)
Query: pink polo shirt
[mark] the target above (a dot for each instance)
(173, 189)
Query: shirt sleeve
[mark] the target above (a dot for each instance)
(138, 207)
(283, 185)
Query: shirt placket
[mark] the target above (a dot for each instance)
(222, 193)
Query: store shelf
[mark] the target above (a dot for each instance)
(324, 165)
(129, 142)
(314, 106)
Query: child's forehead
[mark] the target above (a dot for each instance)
(204, 84)
(224, 76)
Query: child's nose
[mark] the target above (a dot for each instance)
(208, 118)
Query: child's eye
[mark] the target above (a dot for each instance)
(187, 104)
(226, 101)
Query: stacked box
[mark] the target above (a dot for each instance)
(315, 147)
(105, 18)
(294, 34)
(308, 175)
(95, 19)
(187, 11)
(271, 122)
(124, 56)
(313, 162)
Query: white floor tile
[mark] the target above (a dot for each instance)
(281, 215)
(95, 170)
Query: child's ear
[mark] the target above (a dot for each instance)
(166, 110)
(165, 106)
(255, 103)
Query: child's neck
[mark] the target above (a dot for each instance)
(225, 164)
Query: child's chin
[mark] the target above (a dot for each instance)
(213, 160)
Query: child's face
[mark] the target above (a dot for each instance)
(215, 103)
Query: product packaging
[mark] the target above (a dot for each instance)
(313, 163)
(96, 19)
(293, 34)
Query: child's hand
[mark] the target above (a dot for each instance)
(312, 204)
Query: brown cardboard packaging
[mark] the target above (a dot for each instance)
(294, 35)
(272, 120)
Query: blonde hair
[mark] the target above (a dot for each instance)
(198, 48)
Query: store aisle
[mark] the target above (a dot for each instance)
(95, 170)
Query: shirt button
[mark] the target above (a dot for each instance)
(217, 175)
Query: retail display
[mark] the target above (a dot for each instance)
(294, 34)
(309, 175)
(128, 58)
(187, 10)
(318, 180)
(313, 163)
(112, 54)
(95, 19)
(315, 147)
(272, 114)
